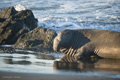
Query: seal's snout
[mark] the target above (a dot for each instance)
(55, 49)
(56, 44)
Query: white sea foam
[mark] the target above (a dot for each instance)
(58, 23)
(80, 14)
(66, 7)
(20, 7)
(80, 24)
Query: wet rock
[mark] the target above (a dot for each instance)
(28, 18)
(39, 39)
(6, 13)
(46, 57)
(10, 60)
(13, 24)
(11, 30)
(9, 50)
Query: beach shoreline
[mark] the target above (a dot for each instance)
(38, 76)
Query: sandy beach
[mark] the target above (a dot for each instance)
(35, 67)
(36, 76)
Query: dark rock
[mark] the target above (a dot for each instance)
(39, 39)
(27, 15)
(20, 62)
(10, 30)
(13, 24)
(2, 20)
(28, 18)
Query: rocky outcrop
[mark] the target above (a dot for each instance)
(26, 15)
(11, 30)
(8, 12)
(28, 18)
(39, 39)
(13, 24)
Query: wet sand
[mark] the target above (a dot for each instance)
(38, 76)
(16, 66)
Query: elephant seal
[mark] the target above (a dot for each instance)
(82, 43)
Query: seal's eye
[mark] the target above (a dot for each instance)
(67, 37)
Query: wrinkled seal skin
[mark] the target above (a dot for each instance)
(82, 43)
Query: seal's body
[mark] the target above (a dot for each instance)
(86, 42)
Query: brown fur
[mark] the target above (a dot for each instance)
(104, 43)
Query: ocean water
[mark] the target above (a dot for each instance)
(71, 14)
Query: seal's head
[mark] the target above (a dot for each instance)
(63, 39)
